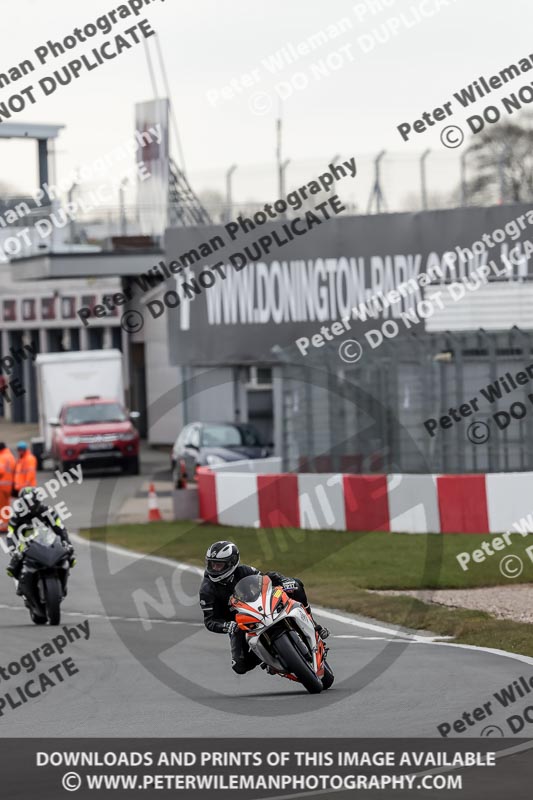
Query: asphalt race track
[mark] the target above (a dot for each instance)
(401, 687)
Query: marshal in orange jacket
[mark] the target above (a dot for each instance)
(7, 473)
(25, 471)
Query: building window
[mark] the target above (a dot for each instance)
(28, 309)
(48, 308)
(68, 307)
(10, 310)
(258, 377)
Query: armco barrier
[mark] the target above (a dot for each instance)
(400, 503)
(462, 504)
(509, 496)
(367, 503)
(278, 501)
(207, 495)
(414, 509)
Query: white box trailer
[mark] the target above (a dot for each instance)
(64, 377)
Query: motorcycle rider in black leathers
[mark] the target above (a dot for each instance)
(222, 572)
(21, 525)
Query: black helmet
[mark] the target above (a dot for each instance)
(221, 561)
(30, 497)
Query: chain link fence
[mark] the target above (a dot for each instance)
(106, 208)
(403, 185)
(369, 417)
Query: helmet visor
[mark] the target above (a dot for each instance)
(215, 567)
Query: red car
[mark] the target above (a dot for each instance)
(95, 432)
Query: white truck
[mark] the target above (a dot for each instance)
(72, 376)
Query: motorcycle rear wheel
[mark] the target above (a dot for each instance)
(295, 663)
(52, 600)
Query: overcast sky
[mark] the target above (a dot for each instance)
(208, 43)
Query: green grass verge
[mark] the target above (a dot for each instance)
(337, 567)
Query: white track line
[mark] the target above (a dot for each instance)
(135, 556)
(337, 616)
(402, 635)
(106, 617)
(516, 656)
(370, 638)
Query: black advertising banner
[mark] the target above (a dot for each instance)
(239, 291)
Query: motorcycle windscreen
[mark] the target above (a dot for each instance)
(249, 589)
(45, 548)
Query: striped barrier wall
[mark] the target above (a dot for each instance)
(486, 503)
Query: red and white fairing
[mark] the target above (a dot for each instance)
(269, 608)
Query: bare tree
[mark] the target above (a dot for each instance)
(500, 160)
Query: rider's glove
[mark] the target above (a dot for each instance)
(230, 627)
(70, 551)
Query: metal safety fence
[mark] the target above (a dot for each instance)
(425, 403)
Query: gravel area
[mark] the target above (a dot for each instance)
(504, 602)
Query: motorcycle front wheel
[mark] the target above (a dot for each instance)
(329, 677)
(52, 599)
(296, 664)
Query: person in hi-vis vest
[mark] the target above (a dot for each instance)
(7, 476)
(25, 469)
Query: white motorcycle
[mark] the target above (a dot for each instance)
(281, 633)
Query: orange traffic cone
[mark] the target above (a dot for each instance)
(154, 514)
